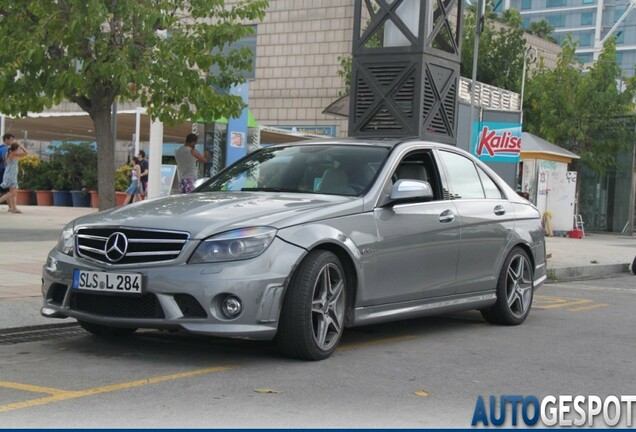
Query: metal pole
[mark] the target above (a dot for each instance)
(479, 24)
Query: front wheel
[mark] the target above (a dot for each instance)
(312, 318)
(107, 331)
(515, 289)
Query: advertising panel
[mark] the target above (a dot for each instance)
(497, 141)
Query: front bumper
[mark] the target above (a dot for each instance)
(179, 296)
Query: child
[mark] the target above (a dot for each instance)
(10, 179)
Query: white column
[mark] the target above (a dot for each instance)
(598, 46)
(2, 124)
(154, 160)
(137, 129)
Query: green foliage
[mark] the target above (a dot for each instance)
(122, 177)
(74, 166)
(542, 29)
(93, 52)
(586, 113)
(28, 167)
(501, 50)
(42, 178)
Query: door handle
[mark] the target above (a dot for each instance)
(500, 210)
(447, 216)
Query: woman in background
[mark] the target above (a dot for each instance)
(10, 179)
(135, 188)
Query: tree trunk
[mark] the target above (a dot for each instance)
(105, 157)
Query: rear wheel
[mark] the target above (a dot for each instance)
(312, 318)
(102, 330)
(514, 291)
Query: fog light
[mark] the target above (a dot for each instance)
(232, 307)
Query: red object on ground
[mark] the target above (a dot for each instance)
(576, 233)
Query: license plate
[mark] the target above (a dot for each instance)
(123, 283)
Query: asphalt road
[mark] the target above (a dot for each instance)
(579, 339)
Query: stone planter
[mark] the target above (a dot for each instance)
(94, 199)
(80, 198)
(62, 198)
(120, 197)
(44, 197)
(24, 197)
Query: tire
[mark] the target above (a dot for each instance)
(634, 265)
(106, 331)
(515, 291)
(312, 316)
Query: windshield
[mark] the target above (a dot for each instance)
(346, 170)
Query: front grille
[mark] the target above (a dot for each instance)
(143, 246)
(145, 306)
(189, 306)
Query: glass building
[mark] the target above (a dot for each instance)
(588, 21)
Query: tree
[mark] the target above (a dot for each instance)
(93, 52)
(501, 49)
(587, 112)
(542, 29)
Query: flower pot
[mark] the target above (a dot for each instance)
(94, 199)
(24, 197)
(80, 198)
(120, 197)
(44, 197)
(62, 198)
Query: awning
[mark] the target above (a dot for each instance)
(534, 145)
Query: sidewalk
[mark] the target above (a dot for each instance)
(22, 256)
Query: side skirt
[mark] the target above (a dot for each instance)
(419, 308)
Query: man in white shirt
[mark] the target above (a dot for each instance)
(187, 157)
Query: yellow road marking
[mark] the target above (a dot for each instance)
(30, 388)
(584, 308)
(61, 395)
(568, 303)
(375, 342)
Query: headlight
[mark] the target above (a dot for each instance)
(66, 243)
(240, 244)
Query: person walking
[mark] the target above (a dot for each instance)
(10, 178)
(135, 189)
(7, 139)
(143, 164)
(187, 157)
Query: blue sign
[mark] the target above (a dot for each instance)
(237, 127)
(313, 130)
(496, 141)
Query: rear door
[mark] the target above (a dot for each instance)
(486, 219)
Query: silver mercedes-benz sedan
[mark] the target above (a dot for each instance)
(296, 242)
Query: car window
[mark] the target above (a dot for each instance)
(490, 187)
(419, 165)
(325, 169)
(462, 175)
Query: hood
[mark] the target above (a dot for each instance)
(204, 214)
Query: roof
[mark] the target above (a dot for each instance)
(533, 144)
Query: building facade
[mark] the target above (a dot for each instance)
(588, 22)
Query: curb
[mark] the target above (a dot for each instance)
(569, 274)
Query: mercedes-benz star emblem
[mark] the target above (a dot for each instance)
(116, 247)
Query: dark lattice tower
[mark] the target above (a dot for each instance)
(405, 69)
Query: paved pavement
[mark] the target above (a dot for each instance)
(25, 240)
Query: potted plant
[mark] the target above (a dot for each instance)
(122, 181)
(42, 183)
(70, 163)
(27, 169)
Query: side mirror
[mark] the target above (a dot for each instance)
(411, 190)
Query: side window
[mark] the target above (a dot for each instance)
(462, 176)
(419, 166)
(490, 188)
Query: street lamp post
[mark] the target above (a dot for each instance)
(529, 57)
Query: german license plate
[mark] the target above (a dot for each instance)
(123, 283)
